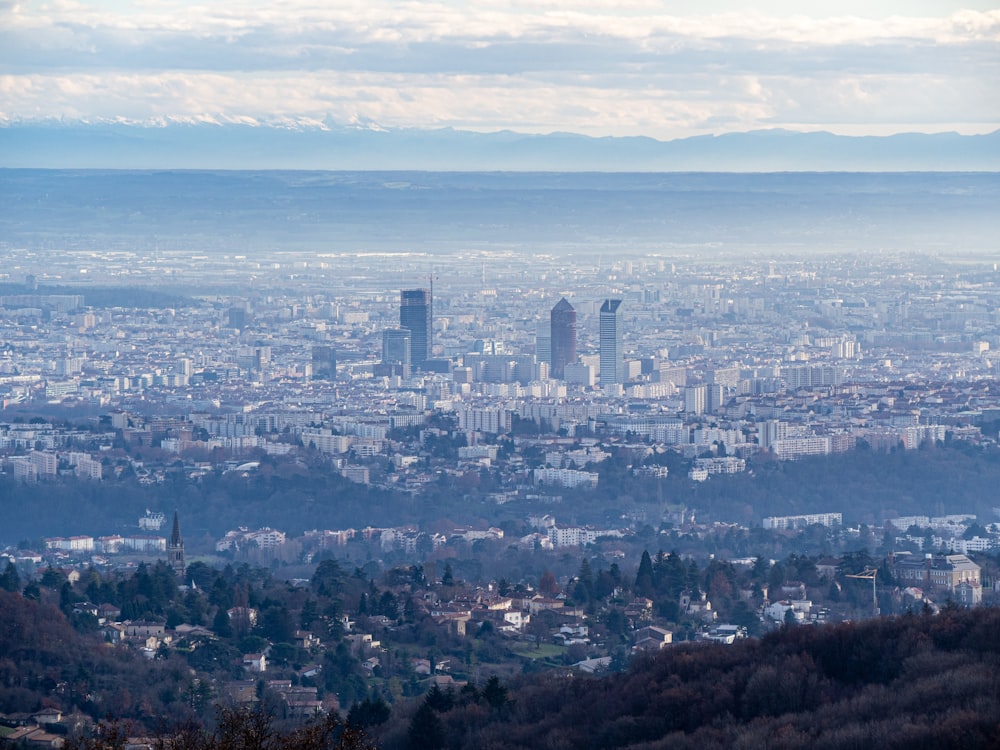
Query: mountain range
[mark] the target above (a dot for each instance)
(171, 145)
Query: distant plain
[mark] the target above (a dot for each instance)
(554, 213)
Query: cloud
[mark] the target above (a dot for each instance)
(613, 68)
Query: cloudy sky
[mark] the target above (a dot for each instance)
(612, 67)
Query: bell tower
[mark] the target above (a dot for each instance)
(175, 549)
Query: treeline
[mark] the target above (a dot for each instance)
(865, 485)
(281, 494)
(303, 492)
(917, 681)
(234, 728)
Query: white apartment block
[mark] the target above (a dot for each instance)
(792, 448)
(798, 522)
(46, 464)
(71, 544)
(722, 465)
(494, 420)
(573, 536)
(565, 477)
(913, 437)
(266, 538)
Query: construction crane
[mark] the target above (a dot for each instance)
(868, 574)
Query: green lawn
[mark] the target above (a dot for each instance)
(544, 651)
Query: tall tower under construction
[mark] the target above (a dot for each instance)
(416, 316)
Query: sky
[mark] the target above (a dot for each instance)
(608, 68)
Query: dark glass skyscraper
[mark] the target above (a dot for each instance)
(415, 315)
(562, 323)
(324, 362)
(396, 350)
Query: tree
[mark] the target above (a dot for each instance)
(10, 580)
(370, 712)
(789, 619)
(329, 578)
(276, 624)
(494, 693)
(440, 700)
(644, 578)
(426, 731)
(547, 584)
(221, 625)
(52, 578)
(236, 729)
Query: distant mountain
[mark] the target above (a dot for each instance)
(318, 146)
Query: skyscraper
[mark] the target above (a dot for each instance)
(324, 362)
(416, 315)
(612, 352)
(396, 351)
(543, 342)
(175, 549)
(562, 322)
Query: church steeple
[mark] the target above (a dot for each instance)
(175, 549)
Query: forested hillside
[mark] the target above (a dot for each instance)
(909, 682)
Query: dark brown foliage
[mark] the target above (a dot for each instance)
(236, 729)
(908, 682)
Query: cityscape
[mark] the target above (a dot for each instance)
(499, 376)
(521, 397)
(719, 365)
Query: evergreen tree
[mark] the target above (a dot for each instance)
(495, 694)
(221, 625)
(644, 578)
(370, 712)
(10, 580)
(426, 731)
(440, 700)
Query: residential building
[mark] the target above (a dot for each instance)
(798, 522)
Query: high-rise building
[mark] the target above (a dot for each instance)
(396, 350)
(175, 549)
(324, 362)
(563, 337)
(238, 317)
(256, 358)
(543, 341)
(416, 315)
(696, 399)
(612, 351)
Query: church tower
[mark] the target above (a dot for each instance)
(175, 549)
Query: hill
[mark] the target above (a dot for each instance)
(908, 682)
